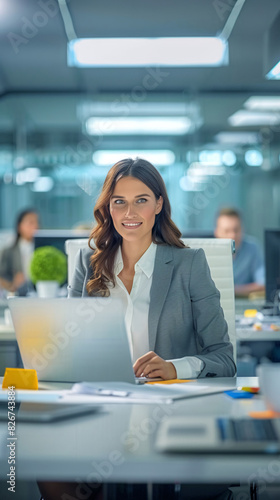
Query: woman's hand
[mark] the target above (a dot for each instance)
(152, 366)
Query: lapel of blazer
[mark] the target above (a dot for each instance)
(162, 275)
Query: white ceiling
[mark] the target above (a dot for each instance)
(39, 94)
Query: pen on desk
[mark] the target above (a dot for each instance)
(108, 392)
(100, 392)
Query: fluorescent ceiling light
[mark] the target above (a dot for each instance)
(187, 184)
(199, 169)
(165, 125)
(244, 118)
(237, 138)
(27, 175)
(272, 50)
(266, 103)
(229, 158)
(120, 107)
(274, 73)
(253, 158)
(43, 185)
(136, 52)
(158, 157)
(210, 157)
(216, 158)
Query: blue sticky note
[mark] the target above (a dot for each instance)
(235, 394)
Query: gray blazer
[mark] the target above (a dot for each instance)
(10, 263)
(185, 315)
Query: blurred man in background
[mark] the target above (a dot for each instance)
(248, 265)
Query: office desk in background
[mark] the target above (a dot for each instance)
(242, 304)
(117, 445)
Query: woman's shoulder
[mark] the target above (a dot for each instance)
(182, 253)
(87, 251)
(84, 256)
(181, 256)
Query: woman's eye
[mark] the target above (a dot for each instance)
(141, 200)
(118, 202)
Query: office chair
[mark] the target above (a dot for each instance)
(218, 253)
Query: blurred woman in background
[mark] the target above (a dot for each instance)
(15, 259)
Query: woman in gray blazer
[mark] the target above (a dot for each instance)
(15, 259)
(175, 322)
(182, 326)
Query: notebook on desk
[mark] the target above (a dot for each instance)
(73, 340)
(218, 435)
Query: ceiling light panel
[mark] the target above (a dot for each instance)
(143, 52)
(274, 73)
(237, 138)
(253, 158)
(162, 157)
(263, 103)
(168, 125)
(245, 118)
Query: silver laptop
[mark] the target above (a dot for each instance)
(73, 340)
(218, 435)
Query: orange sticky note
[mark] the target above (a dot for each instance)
(274, 327)
(255, 390)
(171, 381)
(264, 414)
(20, 378)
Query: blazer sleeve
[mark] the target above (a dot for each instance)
(4, 265)
(78, 281)
(10, 263)
(209, 322)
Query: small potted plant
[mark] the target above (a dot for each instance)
(48, 270)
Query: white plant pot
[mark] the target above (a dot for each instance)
(47, 289)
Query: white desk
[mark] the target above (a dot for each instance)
(251, 335)
(7, 332)
(117, 445)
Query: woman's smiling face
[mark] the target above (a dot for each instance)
(133, 207)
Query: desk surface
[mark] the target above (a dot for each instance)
(7, 332)
(117, 444)
(251, 335)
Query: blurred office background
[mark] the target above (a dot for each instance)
(213, 132)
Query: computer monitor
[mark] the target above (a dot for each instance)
(272, 263)
(57, 237)
(197, 233)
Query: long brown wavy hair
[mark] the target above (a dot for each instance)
(104, 234)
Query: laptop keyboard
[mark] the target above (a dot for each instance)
(245, 429)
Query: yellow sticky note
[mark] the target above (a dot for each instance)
(250, 313)
(20, 378)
